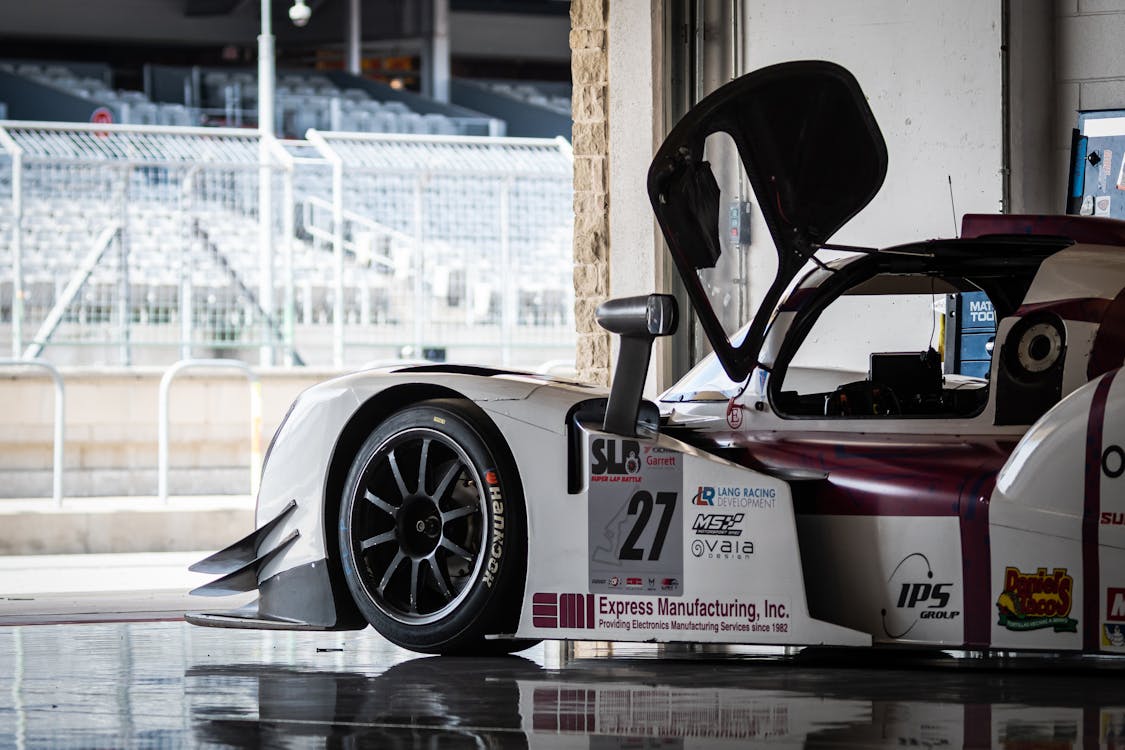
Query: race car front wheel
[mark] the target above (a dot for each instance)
(432, 531)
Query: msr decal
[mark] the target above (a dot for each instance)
(562, 611)
(919, 596)
(718, 524)
(1034, 601)
(615, 458)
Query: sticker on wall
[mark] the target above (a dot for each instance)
(1087, 205)
(1102, 205)
(1103, 171)
(1121, 176)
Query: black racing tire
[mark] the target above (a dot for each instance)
(436, 565)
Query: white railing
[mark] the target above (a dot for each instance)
(162, 419)
(217, 255)
(59, 455)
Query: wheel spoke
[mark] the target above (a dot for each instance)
(443, 587)
(422, 467)
(380, 503)
(393, 461)
(461, 512)
(455, 549)
(390, 571)
(415, 569)
(446, 480)
(378, 539)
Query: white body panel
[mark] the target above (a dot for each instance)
(730, 593)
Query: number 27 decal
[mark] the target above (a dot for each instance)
(641, 506)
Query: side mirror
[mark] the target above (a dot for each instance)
(637, 320)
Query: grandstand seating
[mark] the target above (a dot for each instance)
(231, 98)
(554, 96)
(313, 101)
(130, 107)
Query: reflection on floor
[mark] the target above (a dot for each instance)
(172, 685)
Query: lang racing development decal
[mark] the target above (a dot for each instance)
(1033, 601)
(635, 518)
(751, 498)
(918, 596)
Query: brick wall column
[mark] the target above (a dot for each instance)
(589, 69)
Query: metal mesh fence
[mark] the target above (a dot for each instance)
(135, 245)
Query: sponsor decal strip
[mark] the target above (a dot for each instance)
(1035, 601)
(1091, 513)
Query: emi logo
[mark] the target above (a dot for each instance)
(718, 524)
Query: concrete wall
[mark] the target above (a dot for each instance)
(1089, 70)
(933, 74)
(111, 430)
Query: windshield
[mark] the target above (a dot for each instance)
(707, 381)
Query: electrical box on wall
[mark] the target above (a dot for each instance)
(738, 229)
(1097, 165)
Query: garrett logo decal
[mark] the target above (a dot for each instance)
(917, 599)
(615, 457)
(718, 524)
(1033, 601)
(562, 611)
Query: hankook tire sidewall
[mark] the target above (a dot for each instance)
(489, 603)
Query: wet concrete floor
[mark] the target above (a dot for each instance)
(169, 684)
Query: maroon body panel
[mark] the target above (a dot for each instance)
(893, 475)
(1096, 230)
(878, 475)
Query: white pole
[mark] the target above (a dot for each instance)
(266, 66)
(439, 52)
(354, 64)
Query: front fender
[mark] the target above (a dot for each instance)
(314, 447)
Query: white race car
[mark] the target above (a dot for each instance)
(765, 500)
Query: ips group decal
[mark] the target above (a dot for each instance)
(916, 596)
(1035, 601)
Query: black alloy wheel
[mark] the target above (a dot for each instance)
(432, 531)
